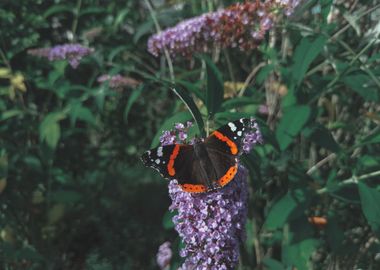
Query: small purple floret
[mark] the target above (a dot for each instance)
(167, 138)
(118, 81)
(164, 255)
(73, 53)
(252, 137)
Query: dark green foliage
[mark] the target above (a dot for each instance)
(73, 192)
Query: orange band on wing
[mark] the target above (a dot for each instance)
(174, 154)
(193, 188)
(230, 174)
(230, 143)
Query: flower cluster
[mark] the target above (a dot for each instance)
(73, 53)
(252, 137)
(211, 225)
(177, 135)
(164, 255)
(241, 25)
(118, 81)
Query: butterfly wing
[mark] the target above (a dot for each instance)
(223, 147)
(199, 173)
(224, 165)
(228, 139)
(178, 162)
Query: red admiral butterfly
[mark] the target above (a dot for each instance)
(206, 165)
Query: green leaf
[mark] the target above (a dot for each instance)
(57, 9)
(9, 114)
(214, 89)
(224, 117)
(264, 72)
(65, 196)
(368, 161)
(334, 234)
(370, 201)
(292, 121)
(143, 29)
(167, 221)
(373, 138)
(192, 107)
(238, 102)
(373, 58)
(121, 17)
(352, 19)
(363, 85)
(92, 10)
(28, 254)
(180, 117)
(325, 8)
(193, 88)
(304, 55)
(322, 137)
(288, 207)
(132, 99)
(298, 254)
(272, 264)
(77, 111)
(50, 130)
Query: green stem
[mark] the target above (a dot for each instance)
(76, 18)
(356, 57)
(158, 29)
(250, 78)
(353, 180)
(5, 60)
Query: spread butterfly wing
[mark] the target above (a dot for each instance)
(228, 139)
(223, 147)
(158, 158)
(225, 166)
(176, 161)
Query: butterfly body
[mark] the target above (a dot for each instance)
(208, 164)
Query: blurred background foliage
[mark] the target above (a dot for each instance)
(73, 192)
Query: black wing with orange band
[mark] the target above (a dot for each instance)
(178, 162)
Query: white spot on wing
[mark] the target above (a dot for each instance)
(232, 126)
(157, 161)
(239, 133)
(159, 151)
(241, 120)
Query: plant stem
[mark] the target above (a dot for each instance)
(158, 29)
(76, 18)
(353, 180)
(5, 60)
(250, 77)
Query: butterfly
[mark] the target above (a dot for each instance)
(206, 165)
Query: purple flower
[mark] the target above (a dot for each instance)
(241, 25)
(252, 137)
(118, 81)
(164, 255)
(73, 53)
(168, 138)
(178, 135)
(211, 225)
